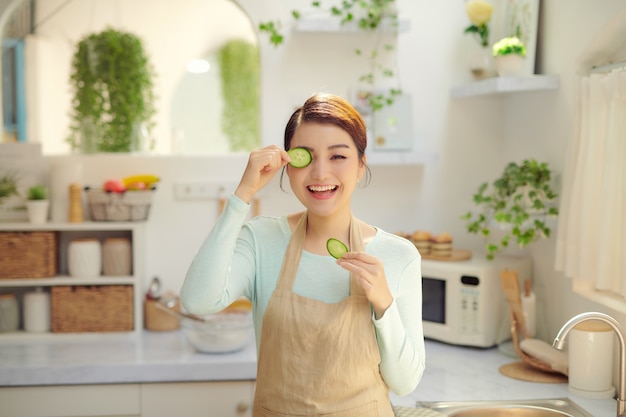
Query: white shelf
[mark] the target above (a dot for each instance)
(408, 157)
(503, 85)
(333, 24)
(66, 280)
(68, 227)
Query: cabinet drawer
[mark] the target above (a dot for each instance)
(70, 401)
(197, 399)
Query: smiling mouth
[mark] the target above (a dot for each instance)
(322, 189)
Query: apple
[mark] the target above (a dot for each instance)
(137, 185)
(114, 186)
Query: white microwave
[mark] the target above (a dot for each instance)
(463, 302)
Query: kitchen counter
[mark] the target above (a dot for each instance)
(452, 373)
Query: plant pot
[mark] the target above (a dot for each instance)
(508, 65)
(37, 211)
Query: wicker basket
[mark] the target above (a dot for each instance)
(102, 308)
(119, 207)
(28, 254)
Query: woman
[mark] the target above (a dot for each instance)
(333, 336)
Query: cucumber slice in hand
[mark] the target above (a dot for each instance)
(336, 248)
(300, 157)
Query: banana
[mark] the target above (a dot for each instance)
(148, 179)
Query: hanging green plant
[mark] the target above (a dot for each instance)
(240, 73)
(113, 98)
(519, 202)
(369, 16)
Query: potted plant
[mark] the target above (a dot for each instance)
(519, 203)
(37, 204)
(113, 102)
(368, 16)
(8, 186)
(509, 53)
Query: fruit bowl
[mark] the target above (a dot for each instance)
(219, 333)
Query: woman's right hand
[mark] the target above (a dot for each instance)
(262, 165)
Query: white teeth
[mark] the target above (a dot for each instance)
(321, 188)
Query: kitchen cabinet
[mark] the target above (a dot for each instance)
(189, 399)
(66, 232)
(121, 400)
(197, 399)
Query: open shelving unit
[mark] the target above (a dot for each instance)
(135, 231)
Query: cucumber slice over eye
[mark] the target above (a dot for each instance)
(300, 157)
(336, 248)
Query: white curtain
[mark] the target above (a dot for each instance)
(591, 237)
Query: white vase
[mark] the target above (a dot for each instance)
(480, 63)
(37, 211)
(509, 65)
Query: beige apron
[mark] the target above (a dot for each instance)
(315, 358)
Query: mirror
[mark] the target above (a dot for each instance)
(189, 105)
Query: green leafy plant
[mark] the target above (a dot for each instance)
(368, 15)
(240, 72)
(508, 46)
(8, 186)
(112, 83)
(518, 202)
(37, 192)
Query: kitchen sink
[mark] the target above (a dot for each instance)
(559, 407)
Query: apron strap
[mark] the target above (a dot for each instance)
(293, 254)
(356, 245)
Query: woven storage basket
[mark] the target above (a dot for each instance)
(102, 308)
(119, 207)
(28, 254)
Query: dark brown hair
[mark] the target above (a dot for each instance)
(330, 109)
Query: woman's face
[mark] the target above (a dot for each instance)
(326, 184)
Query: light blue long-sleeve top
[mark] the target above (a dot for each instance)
(240, 258)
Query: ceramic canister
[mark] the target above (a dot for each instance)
(590, 356)
(9, 313)
(36, 311)
(84, 258)
(116, 256)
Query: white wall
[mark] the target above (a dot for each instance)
(475, 137)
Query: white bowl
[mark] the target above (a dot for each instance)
(219, 333)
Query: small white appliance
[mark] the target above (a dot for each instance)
(463, 302)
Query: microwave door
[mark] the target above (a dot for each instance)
(434, 300)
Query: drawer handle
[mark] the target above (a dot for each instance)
(242, 407)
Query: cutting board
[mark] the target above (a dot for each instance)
(456, 255)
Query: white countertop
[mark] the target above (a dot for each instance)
(452, 373)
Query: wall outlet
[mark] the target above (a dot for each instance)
(203, 189)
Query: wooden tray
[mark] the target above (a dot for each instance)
(456, 255)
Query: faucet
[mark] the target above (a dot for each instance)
(559, 341)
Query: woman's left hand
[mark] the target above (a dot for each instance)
(371, 274)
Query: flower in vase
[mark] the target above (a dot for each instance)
(479, 13)
(509, 46)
